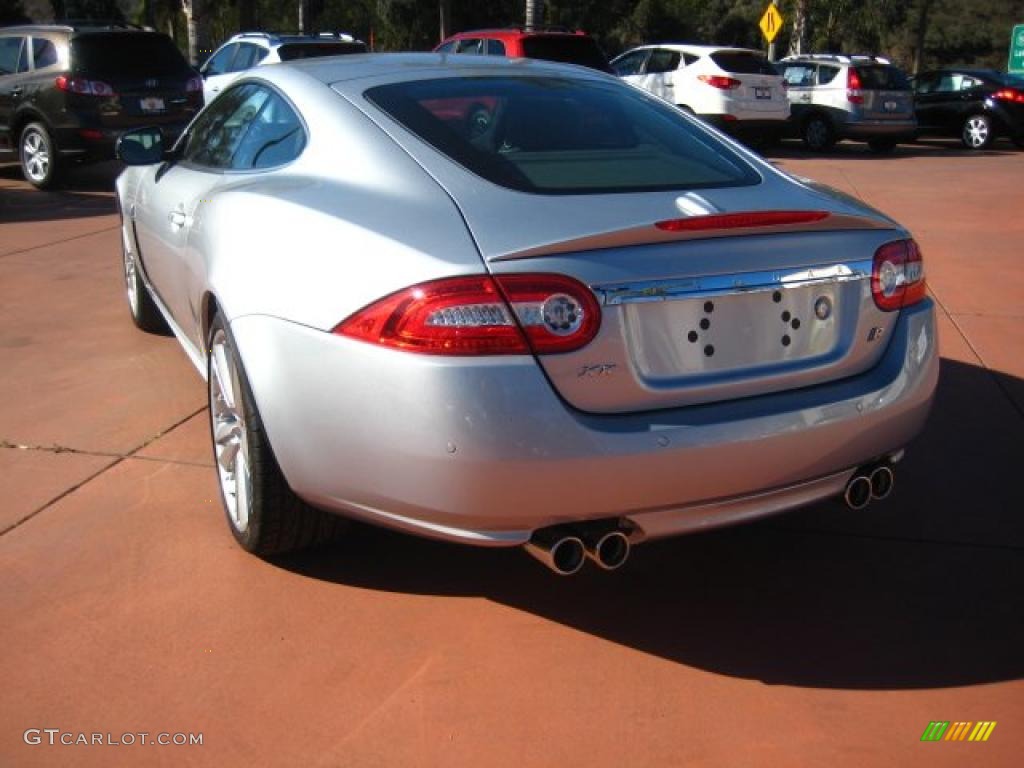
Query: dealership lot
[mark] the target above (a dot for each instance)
(824, 635)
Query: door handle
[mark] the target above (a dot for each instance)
(178, 219)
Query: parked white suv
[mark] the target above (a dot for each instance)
(736, 89)
(247, 49)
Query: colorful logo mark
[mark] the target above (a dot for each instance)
(960, 731)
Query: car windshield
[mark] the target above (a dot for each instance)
(292, 51)
(743, 63)
(569, 49)
(116, 53)
(550, 135)
(882, 78)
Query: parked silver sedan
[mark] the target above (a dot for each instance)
(509, 302)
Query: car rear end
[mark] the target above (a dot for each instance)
(681, 336)
(742, 91)
(120, 80)
(1006, 101)
(879, 103)
(578, 49)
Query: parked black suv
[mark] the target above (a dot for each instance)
(67, 93)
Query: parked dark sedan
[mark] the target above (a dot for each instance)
(975, 104)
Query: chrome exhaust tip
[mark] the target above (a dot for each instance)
(882, 481)
(858, 492)
(609, 550)
(562, 554)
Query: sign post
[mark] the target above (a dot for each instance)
(1016, 62)
(770, 25)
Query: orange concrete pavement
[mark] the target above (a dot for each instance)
(821, 637)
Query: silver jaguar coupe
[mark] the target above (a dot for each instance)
(509, 302)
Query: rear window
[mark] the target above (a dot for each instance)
(123, 53)
(292, 51)
(562, 136)
(570, 49)
(743, 63)
(882, 78)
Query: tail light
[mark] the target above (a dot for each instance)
(83, 87)
(1009, 94)
(853, 86)
(719, 81)
(481, 315)
(897, 275)
(194, 85)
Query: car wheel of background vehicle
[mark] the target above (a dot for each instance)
(817, 134)
(977, 132)
(39, 161)
(881, 146)
(264, 514)
(143, 309)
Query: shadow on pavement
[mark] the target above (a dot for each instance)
(923, 590)
(856, 150)
(85, 192)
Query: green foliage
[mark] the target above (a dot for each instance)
(964, 31)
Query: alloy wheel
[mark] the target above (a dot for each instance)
(35, 155)
(231, 444)
(976, 132)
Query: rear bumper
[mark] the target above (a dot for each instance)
(485, 452)
(865, 130)
(97, 142)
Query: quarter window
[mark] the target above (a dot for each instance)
(247, 56)
(220, 129)
(44, 53)
(495, 48)
(275, 137)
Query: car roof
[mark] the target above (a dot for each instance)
(700, 50)
(515, 32)
(406, 66)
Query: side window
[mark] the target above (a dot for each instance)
(798, 75)
(23, 65)
(969, 82)
(630, 64)
(827, 74)
(495, 48)
(689, 58)
(219, 130)
(924, 84)
(44, 53)
(469, 46)
(246, 56)
(447, 47)
(220, 61)
(662, 60)
(10, 54)
(275, 137)
(948, 83)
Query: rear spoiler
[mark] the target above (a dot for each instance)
(704, 227)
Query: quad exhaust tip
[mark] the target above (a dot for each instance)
(869, 484)
(565, 549)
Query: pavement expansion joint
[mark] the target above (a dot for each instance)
(117, 458)
(58, 242)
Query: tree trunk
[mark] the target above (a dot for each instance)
(920, 31)
(198, 25)
(534, 13)
(798, 39)
(445, 17)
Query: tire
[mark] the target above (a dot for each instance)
(882, 146)
(40, 163)
(817, 133)
(977, 132)
(264, 514)
(143, 309)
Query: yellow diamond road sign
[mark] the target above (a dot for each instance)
(771, 23)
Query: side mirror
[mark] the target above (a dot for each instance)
(142, 146)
